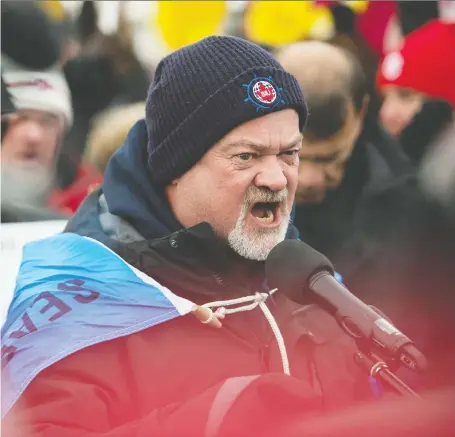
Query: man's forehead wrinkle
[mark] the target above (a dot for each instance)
(243, 141)
(246, 142)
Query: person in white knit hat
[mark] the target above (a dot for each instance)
(32, 139)
(43, 103)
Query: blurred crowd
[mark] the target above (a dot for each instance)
(377, 168)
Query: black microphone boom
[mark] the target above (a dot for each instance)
(306, 276)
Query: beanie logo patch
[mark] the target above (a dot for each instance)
(263, 93)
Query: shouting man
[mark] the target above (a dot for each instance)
(190, 208)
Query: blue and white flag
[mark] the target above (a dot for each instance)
(73, 292)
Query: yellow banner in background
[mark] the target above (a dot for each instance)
(185, 22)
(53, 8)
(277, 23)
(358, 6)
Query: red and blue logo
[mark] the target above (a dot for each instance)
(263, 93)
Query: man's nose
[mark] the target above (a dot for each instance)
(311, 176)
(390, 117)
(271, 176)
(34, 132)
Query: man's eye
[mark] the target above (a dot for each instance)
(291, 152)
(245, 156)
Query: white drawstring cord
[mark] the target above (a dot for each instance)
(257, 300)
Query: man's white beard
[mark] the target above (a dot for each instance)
(25, 185)
(256, 244)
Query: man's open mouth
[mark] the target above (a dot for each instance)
(29, 155)
(266, 212)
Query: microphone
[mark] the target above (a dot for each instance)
(306, 276)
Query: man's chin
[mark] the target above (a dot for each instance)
(256, 243)
(25, 185)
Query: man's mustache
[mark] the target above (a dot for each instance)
(265, 195)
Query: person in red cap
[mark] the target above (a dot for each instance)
(422, 70)
(417, 83)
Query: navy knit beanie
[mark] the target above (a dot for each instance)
(206, 89)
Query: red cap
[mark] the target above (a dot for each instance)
(425, 62)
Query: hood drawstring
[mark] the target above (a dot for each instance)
(257, 300)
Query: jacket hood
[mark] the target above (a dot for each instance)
(130, 193)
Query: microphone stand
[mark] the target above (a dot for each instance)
(377, 368)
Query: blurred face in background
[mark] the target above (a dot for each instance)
(32, 139)
(323, 161)
(28, 155)
(398, 108)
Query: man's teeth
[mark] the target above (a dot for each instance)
(267, 217)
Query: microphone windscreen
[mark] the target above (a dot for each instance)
(29, 37)
(292, 263)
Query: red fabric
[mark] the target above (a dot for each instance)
(68, 200)
(372, 23)
(425, 63)
(163, 381)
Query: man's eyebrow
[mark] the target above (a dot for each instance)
(260, 147)
(295, 142)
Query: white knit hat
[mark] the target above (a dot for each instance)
(41, 90)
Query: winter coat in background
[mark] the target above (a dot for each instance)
(393, 247)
